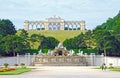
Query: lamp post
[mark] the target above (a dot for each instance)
(105, 56)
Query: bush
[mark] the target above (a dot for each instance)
(6, 65)
(1, 70)
(22, 65)
(16, 65)
(45, 50)
(111, 66)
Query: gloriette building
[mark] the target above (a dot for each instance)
(54, 23)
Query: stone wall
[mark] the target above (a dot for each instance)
(114, 60)
(86, 60)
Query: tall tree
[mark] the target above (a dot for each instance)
(89, 39)
(116, 32)
(24, 35)
(35, 38)
(106, 42)
(12, 44)
(48, 42)
(7, 28)
(75, 43)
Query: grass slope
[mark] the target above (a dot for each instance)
(60, 35)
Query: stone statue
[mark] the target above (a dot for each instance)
(50, 52)
(40, 52)
(71, 52)
(80, 53)
(60, 45)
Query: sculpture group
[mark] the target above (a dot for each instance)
(60, 50)
(59, 56)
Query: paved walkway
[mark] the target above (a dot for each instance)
(65, 72)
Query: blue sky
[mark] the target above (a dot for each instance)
(94, 12)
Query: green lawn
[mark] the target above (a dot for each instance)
(115, 69)
(110, 69)
(60, 35)
(16, 72)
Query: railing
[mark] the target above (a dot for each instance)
(60, 60)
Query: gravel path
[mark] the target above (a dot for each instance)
(65, 72)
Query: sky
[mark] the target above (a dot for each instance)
(94, 12)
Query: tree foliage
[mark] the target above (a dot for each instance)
(75, 43)
(35, 38)
(12, 44)
(24, 35)
(6, 28)
(48, 42)
(107, 42)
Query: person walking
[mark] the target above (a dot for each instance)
(104, 66)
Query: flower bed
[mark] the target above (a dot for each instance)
(6, 69)
(15, 72)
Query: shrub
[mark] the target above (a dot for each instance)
(4, 70)
(6, 65)
(22, 65)
(1, 70)
(110, 65)
(16, 65)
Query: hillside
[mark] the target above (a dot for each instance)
(60, 35)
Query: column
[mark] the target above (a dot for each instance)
(92, 56)
(102, 58)
(33, 58)
(76, 26)
(72, 26)
(29, 59)
(52, 26)
(82, 25)
(32, 26)
(18, 59)
(87, 60)
(26, 25)
(62, 25)
(46, 23)
(40, 27)
(26, 61)
(68, 26)
(36, 27)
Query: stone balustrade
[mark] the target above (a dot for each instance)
(60, 60)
